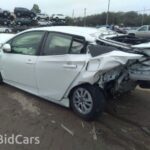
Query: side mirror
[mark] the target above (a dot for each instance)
(6, 48)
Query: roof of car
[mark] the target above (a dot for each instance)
(87, 32)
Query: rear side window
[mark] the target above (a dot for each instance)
(57, 44)
(77, 46)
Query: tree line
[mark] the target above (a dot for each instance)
(131, 19)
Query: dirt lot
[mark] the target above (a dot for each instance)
(127, 127)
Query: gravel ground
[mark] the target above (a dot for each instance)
(124, 126)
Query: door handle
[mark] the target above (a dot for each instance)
(70, 66)
(29, 61)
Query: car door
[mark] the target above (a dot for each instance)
(59, 65)
(19, 65)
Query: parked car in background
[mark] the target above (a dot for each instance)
(11, 17)
(58, 17)
(44, 23)
(143, 31)
(25, 21)
(42, 16)
(24, 12)
(4, 13)
(73, 67)
(5, 21)
(5, 30)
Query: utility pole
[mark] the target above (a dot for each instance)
(73, 17)
(143, 17)
(84, 17)
(107, 18)
(73, 14)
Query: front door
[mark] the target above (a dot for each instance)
(19, 65)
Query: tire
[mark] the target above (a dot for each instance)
(5, 22)
(57, 19)
(6, 31)
(19, 23)
(5, 13)
(87, 101)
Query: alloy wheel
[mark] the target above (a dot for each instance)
(82, 101)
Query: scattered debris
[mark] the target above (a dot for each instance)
(93, 132)
(124, 130)
(68, 130)
(53, 121)
(23, 101)
(82, 124)
(145, 129)
(49, 114)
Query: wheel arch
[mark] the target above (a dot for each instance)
(73, 88)
(83, 84)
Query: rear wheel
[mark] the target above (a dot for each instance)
(6, 31)
(87, 101)
(38, 18)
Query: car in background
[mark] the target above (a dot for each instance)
(24, 12)
(5, 30)
(43, 16)
(25, 21)
(44, 23)
(5, 21)
(58, 17)
(73, 67)
(4, 13)
(143, 32)
(11, 17)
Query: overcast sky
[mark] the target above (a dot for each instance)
(66, 6)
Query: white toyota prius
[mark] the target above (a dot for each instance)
(73, 67)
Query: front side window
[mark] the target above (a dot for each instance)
(27, 43)
(57, 44)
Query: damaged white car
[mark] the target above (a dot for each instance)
(73, 67)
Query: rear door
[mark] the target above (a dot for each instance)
(59, 65)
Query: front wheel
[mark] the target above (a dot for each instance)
(87, 101)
